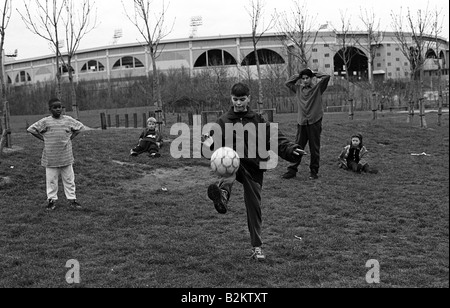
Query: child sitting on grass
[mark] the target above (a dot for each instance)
(352, 157)
(150, 141)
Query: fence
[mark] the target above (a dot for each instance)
(134, 117)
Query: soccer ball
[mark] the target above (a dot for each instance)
(225, 162)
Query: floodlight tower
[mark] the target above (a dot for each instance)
(117, 35)
(12, 55)
(196, 22)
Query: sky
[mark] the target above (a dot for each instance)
(219, 17)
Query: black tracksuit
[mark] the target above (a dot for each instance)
(250, 174)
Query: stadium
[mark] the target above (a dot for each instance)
(235, 53)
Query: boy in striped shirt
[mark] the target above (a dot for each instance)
(57, 132)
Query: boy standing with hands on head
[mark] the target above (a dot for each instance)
(57, 131)
(310, 114)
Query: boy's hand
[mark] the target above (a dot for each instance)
(299, 152)
(205, 137)
(207, 140)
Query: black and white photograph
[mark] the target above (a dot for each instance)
(224, 152)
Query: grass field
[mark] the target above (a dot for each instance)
(133, 234)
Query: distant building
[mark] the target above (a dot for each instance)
(233, 52)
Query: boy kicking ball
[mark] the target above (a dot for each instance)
(250, 173)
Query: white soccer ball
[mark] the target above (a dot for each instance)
(225, 162)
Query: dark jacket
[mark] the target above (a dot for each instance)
(309, 99)
(252, 164)
(151, 135)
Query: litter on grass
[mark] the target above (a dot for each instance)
(420, 154)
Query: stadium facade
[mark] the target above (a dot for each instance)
(233, 52)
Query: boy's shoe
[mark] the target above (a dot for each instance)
(75, 205)
(219, 197)
(313, 176)
(133, 153)
(258, 254)
(154, 155)
(51, 205)
(289, 175)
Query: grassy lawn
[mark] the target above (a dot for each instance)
(132, 233)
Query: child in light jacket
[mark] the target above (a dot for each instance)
(353, 156)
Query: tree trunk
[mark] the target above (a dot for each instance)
(157, 92)
(73, 95)
(58, 79)
(2, 135)
(421, 99)
(440, 98)
(260, 87)
(5, 139)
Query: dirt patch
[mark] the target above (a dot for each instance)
(12, 149)
(5, 181)
(172, 179)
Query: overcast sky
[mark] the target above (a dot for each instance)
(220, 17)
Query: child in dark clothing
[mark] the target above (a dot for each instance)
(352, 156)
(251, 170)
(150, 141)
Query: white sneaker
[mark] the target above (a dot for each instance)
(258, 254)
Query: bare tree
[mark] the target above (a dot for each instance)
(374, 39)
(437, 30)
(345, 49)
(412, 36)
(275, 77)
(258, 29)
(44, 21)
(299, 31)
(73, 19)
(345, 43)
(151, 24)
(6, 15)
(77, 23)
(219, 81)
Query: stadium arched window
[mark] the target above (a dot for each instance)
(215, 57)
(128, 62)
(43, 71)
(266, 56)
(9, 80)
(92, 66)
(23, 77)
(357, 68)
(430, 54)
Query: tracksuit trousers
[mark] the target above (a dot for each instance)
(252, 199)
(68, 179)
(146, 146)
(309, 134)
